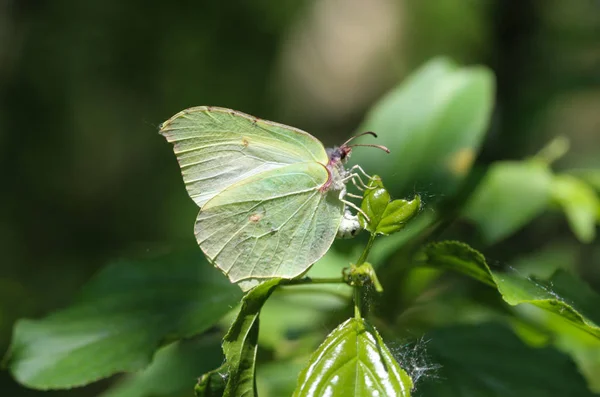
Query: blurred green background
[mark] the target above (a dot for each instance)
(84, 85)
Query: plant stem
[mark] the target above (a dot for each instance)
(363, 257)
(312, 291)
(357, 288)
(357, 302)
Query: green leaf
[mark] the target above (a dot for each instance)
(397, 214)
(353, 361)
(510, 195)
(562, 294)
(124, 314)
(212, 383)
(433, 123)
(580, 345)
(374, 203)
(580, 203)
(240, 345)
(488, 360)
(173, 371)
(385, 216)
(590, 176)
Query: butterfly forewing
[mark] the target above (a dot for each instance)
(275, 224)
(218, 147)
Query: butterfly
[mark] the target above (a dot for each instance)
(272, 199)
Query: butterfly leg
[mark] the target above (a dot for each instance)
(350, 204)
(354, 177)
(358, 167)
(357, 177)
(360, 185)
(356, 185)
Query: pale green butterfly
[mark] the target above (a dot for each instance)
(271, 197)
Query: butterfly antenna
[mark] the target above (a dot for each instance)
(361, 134)
(369, 145)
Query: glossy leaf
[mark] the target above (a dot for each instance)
(385, 216)
(124, 314)
(212, 383)
(433, 123)
(239, 345)
(353, 361)
(397, 214)
(580, 203)
(510, 195)
(488, 360)
(562, 294)
(374, 203)
(174, 370)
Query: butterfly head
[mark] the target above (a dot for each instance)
(339, 155)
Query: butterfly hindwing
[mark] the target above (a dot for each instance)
(274, 224)
(218, 147)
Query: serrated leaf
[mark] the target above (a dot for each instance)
(353, 361)
(174, 370)
(125, 313)
(562, 294)
(580, 203)
(240, 345)
(433, 123)
(488, 360)
(510, 195)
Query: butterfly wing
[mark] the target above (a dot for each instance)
(275, 224)
(218, 147)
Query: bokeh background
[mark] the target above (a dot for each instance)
(85, 84)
